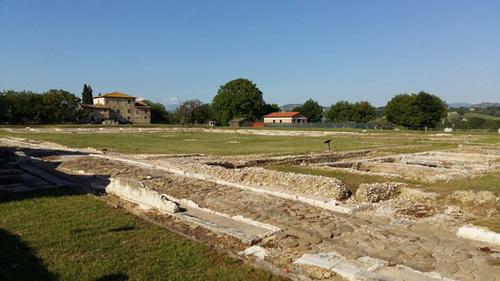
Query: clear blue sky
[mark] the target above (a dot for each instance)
(294, 50)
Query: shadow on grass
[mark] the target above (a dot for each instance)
(40, 193)
(19, 262)
(20, 159)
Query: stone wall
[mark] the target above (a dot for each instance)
(316, 186)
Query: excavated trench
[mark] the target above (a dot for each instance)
(263, 160)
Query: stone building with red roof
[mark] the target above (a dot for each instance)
(117, 107)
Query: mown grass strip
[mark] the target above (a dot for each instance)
(58, 235)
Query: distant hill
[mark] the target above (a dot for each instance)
(459, 104)
(289, 107)
(485, 104)
(477, 105)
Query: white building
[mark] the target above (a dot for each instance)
(285, 117)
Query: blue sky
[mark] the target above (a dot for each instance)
(294, 50)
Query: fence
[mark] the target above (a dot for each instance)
(355, 125)
(345, 125)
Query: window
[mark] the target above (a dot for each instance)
(128, 101)
(137, 112)
(281, 121)
(274, 121)
(128, 111)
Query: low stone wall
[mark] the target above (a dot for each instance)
(133, 191)
(317, 186)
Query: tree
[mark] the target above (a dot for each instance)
(363, 112)
(186, 110)
(59, 106)
(87, 94)
(270, 108)
(25, 107)
(454, 117)
(432, 109)
(415, 110)
(4, 109)
(312, 110)
(194, 112)
(342, 111)
(158, 112)
(238, 98)
(203, 113)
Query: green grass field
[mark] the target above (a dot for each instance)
(480, 115)
(233, 143)
(57, 235)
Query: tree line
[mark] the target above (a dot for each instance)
(27, 107)
(242, 98)
(235, 99)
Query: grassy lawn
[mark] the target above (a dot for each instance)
(233, 144)
(488, 182)
(480, 115)
(56, 235)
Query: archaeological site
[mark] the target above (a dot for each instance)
(385, 212)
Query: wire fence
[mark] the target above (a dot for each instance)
(367, 126)
(344, 125)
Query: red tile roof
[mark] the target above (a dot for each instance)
(141, 104)
(116, 95)
(282, 114)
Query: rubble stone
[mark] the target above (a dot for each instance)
(375, 192)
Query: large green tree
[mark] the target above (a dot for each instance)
(238, 98)
(87, 97)
(59, 106)
(312, 110)
(415, 110)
